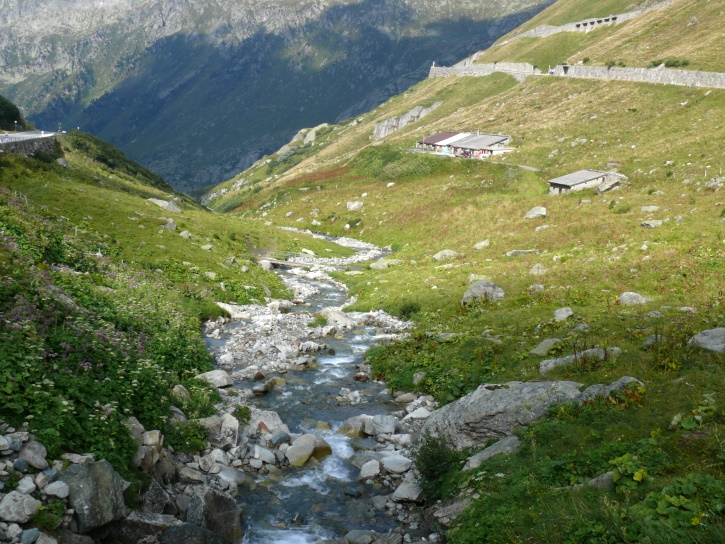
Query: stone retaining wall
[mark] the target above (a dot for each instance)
(520, 70)
(667, 76)
(44, 144)
(586, 24)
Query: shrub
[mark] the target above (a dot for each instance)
(187, 437)
(408, 308)
(242, 413)
(437, 463)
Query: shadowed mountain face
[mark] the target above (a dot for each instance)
(199, 92)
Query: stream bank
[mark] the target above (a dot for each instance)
(308, 385)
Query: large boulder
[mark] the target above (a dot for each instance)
(217, 512)
(96, 494)
(305, 447)
(139, 525)
(496, 410)
(483, 289)
(712, 339)
(338, 319)
(191, 534)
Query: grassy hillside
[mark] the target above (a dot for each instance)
(685, 30)
(570, 11)
(102, 300)
(663, 440)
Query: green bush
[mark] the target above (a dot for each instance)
(187, 437)
(437, 464)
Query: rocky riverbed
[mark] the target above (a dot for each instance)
(326, 448)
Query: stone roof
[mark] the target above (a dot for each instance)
(576, 178)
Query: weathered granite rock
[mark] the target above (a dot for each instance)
(596, 353)
(504, 446)
(601, 390)
(338, 319)
(446, 255)
(218, 512)
(370, 470)
(187, 533)
(155, 499)
(535, 212)
(140, 525)
(632, 299)
(712, 339)
(396, 463)
(18, 507)
(355, 206)
(35, 453)
(408, 491)
(96, 494)
(383, 424)
(542, 350)
(483, 244)
(57, 489)
(217, 378)
(496, 410)
(170, 206)
(537, 270)
(562, 314)
(483, 289)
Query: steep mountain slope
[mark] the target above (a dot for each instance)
(102, 295)
(642, 465)
(683, 31)
(198, 91)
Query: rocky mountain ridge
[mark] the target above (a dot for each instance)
(200, 91)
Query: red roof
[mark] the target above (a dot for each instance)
(438, 137)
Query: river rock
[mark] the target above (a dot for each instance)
(217, 378)
(187, 533)
(632, 299)
(188, 475)
(408, 491)
(370, 470)
(57, 489)
(496, 410)
(139, 525)
(35, 453)
(264, 455)
(482, 289)
(446, 255)
(359, 536)
(382, 424)
(535, 212)
(338, 319)
(504, 446)
(96, 494)
(396, 463)
(17, 507)
(711, 339)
